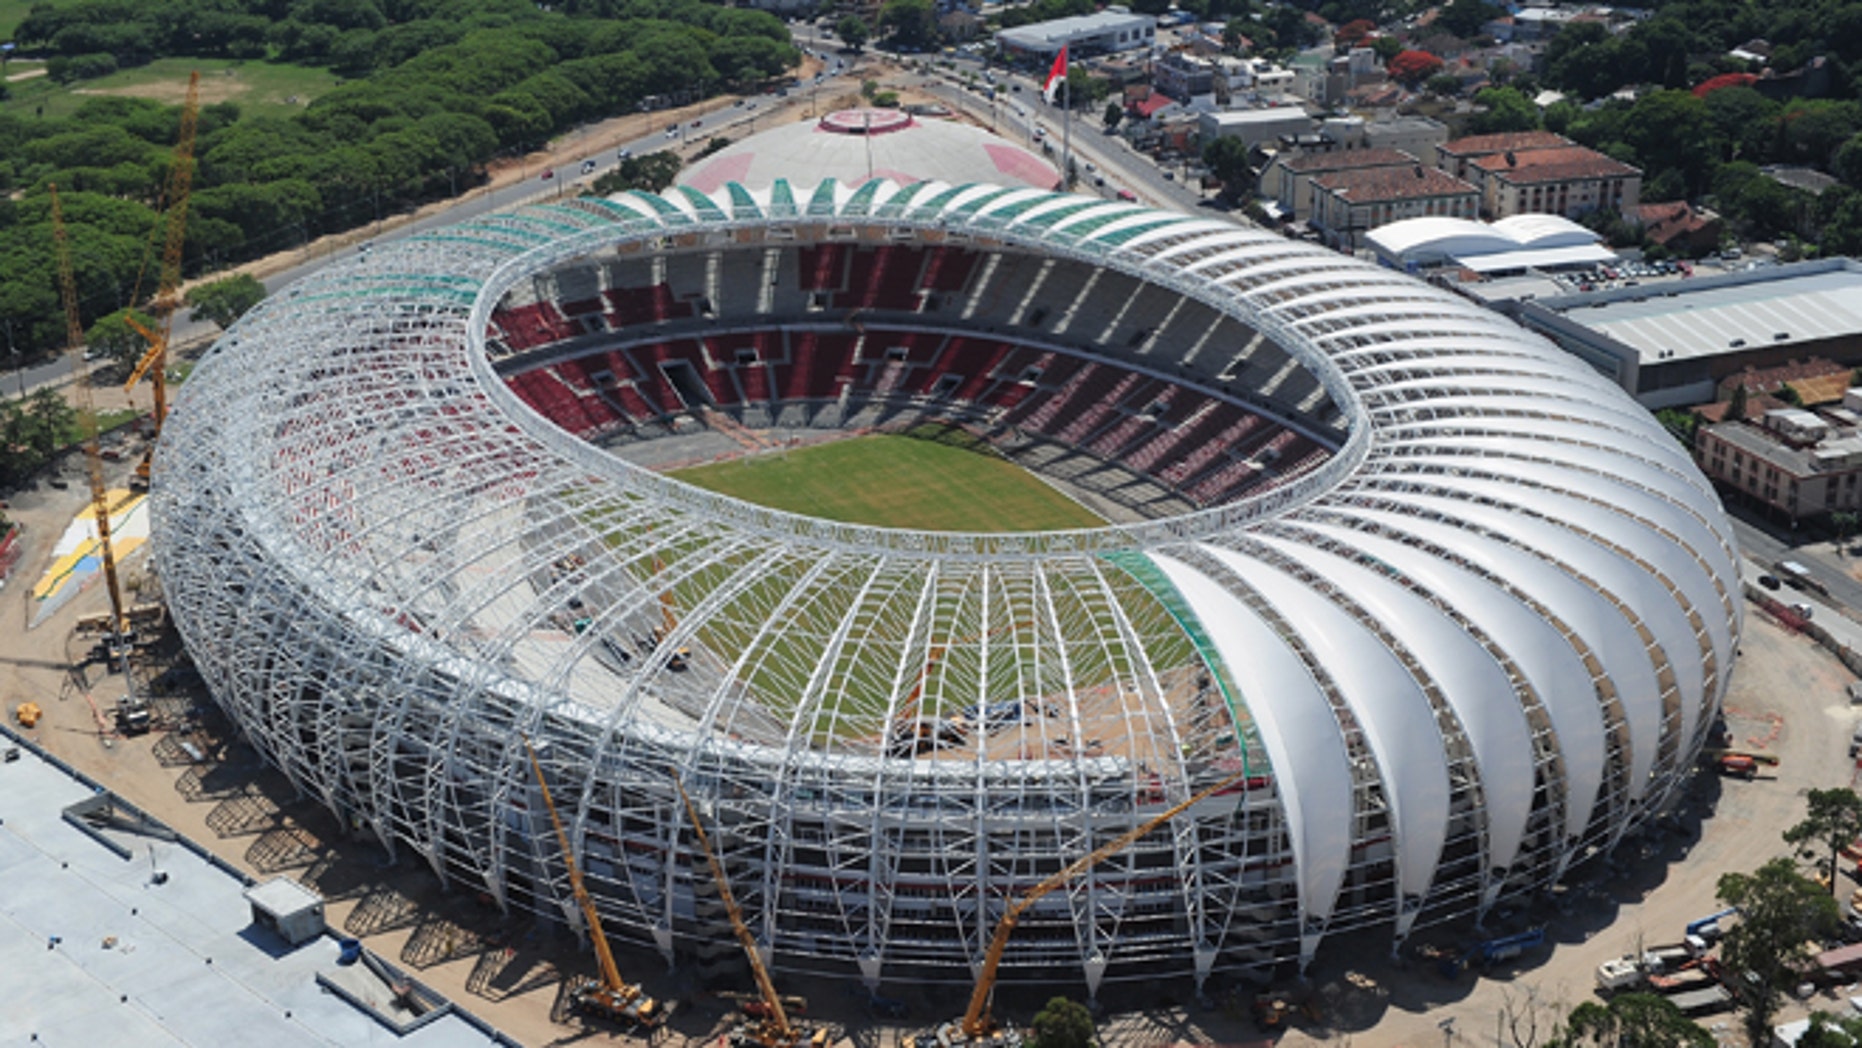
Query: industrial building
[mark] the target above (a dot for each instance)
(1106, 32)
(1447, 608)
(1671, 344)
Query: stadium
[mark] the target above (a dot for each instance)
(1447, 607)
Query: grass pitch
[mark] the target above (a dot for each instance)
(935, 481)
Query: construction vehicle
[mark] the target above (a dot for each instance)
(913, 733)
(977, 1026)
(768, 1025)
(1770, 760)
(1707, 929)
(117, 637)
(154, 363)
(1490, 952)
(609, 996)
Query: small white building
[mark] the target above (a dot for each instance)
(287, 908)
(1255, 126)
(1105, 32)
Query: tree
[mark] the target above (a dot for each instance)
(1736, 404)
(853, 32)
(1632, 1020)
(1681, 424)
(225, 301)
(49, 417)
(1115, 115)
(1834, 820)
(1781, 917)
(911, 24)
(1410, 68)
(1063, 1023)
(1503, 109)
(1466, 18)
(1829, 1031)
(1844, 521)
(1445, 85)
(652, 172)
(1227, 160)
(112, 336)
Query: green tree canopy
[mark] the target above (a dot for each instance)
(1503, 109)
(1832, 823)
(1632, 1020)
(853, 32)
(1063, 1023)
(224, 301)
(1781, 918)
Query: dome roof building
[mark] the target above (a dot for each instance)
(1441, 609)
(854, 145)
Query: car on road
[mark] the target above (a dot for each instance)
(1770, 582)
(1126, 194)
(624, 154)
(1170, 176)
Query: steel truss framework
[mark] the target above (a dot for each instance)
(1484, 638)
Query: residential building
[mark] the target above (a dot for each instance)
(1680, 227)
(1288, 180)
(1109, 31)
(1568, 181)
(1457, 157)
(1799, 462)
(1348, 204)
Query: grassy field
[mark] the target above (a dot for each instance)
(12, 13)
(260, 88)
(898, 482)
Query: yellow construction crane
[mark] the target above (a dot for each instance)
(609, 996)
(977, 1026)
(117, 635)
(168, 294)
(772, 1029)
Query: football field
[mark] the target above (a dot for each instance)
(899, 482)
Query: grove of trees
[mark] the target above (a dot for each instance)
(436, 90)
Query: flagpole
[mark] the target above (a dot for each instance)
(1066, 133)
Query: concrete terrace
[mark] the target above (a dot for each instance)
(175, 963)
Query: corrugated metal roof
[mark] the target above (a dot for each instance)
(1716, 317)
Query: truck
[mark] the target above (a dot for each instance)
(1708, 1000)
(1619, 975)
(1682, 981)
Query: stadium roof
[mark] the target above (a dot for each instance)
(1703, 317)
(852, 145)
(103, 955)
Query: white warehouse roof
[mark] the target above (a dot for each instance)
(1511, 243)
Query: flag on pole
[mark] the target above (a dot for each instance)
(1055, 76)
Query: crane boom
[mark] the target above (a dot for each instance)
(611, 980)
(87, 417)
(976, 1019)
(771, 1000)
(167, 296)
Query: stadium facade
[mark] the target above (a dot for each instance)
(1453, 607)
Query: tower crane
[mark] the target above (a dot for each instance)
(772, 1029)
(154, 363)
(608, 996)
(117, 634)
(977, 1026)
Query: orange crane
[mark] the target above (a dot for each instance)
(977, 1026)
(772, 1029)
(609, 996)
(912, 733)
(167, 300)
(117, 636)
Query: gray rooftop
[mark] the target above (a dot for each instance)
(137, 963)
(1073, 27)
(1708, 316)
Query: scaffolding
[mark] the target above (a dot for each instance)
(1475, 637)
